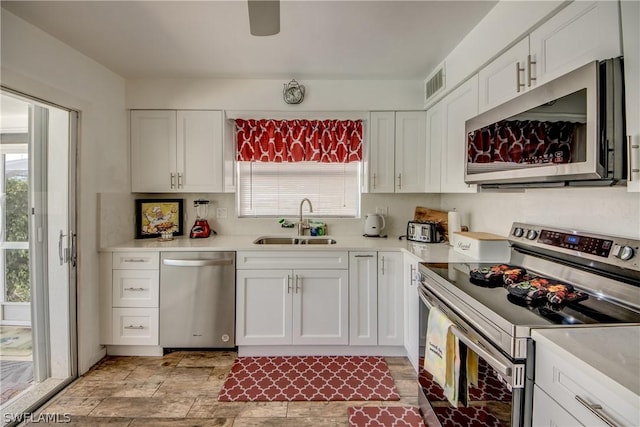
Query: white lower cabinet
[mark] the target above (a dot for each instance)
(363, 298)
(411, 308)
(582, 394)
(130, 287)
(390, 299)
(301, 306)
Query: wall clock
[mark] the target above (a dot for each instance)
(293, 92)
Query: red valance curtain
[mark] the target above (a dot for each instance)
(326, 141)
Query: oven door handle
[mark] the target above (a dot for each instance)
(504, 366)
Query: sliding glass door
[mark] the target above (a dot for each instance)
(37, 280)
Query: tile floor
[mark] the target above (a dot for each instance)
(181, 389)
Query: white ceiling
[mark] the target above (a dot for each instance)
(346, 39)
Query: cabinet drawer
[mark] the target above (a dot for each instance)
(135, 326)
(136, 260)
(292, 260)
(547, 413)
(565, 378)
(135, 288)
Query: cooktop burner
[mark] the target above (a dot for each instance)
(590, 309)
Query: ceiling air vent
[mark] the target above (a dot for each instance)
(434, 84)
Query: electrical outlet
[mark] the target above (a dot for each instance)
(382, 211)
(221, 212)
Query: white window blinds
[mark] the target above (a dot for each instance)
(267, 189)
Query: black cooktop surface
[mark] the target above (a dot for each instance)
(517, 311)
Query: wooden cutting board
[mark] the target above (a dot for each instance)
(426, 214)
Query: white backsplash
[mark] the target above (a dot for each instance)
(602, 210)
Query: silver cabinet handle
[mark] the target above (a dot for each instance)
(382, 265)
(598, 411)
(134, 327)
(529, 69)
(60, 255)
(399, 181)
(197, 262)
(374, 180)
(630, 148)
(173, 180)
(519, 85)
(298, 285)
(179, 180)
(364, 256)
(134, 260)
(412, 272)
(135, 289)
(289, 284)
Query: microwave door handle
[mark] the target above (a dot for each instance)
(504, 368)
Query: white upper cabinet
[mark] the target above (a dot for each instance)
(398, 152)
(176, 151)
(630, 12)
(505, 77)
(381, 152)
(447, 128)
(578, 34)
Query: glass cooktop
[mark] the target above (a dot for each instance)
(519, 312)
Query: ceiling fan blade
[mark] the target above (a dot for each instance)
(264, 17)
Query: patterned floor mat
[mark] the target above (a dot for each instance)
(309, 378)
(390, 416)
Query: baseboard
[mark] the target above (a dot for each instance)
(134, 350)
(97, 356)
(262, 350)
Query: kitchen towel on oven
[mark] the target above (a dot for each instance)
(442, 354)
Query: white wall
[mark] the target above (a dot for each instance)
(38, 65)
(608, 210)
(247, 94)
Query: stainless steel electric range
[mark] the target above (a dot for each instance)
(600, 277)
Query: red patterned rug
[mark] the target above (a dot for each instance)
(308, 378)
(384, 416)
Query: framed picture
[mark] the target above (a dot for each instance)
(154, 216)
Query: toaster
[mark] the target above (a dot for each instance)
(424, 231)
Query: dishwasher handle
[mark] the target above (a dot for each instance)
(197, 262)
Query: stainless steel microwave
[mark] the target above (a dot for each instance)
(569, 131)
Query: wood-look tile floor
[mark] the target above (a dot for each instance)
(181, 389)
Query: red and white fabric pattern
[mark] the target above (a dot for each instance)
(522, 141)
(384, 416)
(308, 378)
(326, 141)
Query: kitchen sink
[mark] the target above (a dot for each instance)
(294, 241)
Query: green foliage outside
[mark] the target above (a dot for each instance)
(17, 281)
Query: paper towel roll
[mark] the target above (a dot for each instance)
(454, 224)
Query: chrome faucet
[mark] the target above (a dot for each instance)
(301, 223)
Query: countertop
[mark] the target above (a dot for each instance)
(426, 252)
(612, 351)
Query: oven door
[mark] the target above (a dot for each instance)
(497, 399)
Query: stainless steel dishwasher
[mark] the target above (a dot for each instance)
(197, 300)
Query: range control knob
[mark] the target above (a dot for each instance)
(518, 232)
(626, 253)
(532, 234)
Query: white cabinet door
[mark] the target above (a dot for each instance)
(410, 152)
(578, 34)
(459, 106)
(321, 307)
(153, 151)
(547, 412)
(435, 137)
(390, 299)
(504, 78)
(411, 309)
(363, 298)
(264, 307)
(199, 151)
(630, 12)
(381, 152)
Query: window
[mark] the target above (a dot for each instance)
(267, 189)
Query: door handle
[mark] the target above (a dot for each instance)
(60, 255)
(179, 180)
(519, 84)
(197, 262)
(289, 284)
(134, 327)
(529, 69)
(298, 285)
(382, 265)
(598, 411)
(173, 180)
